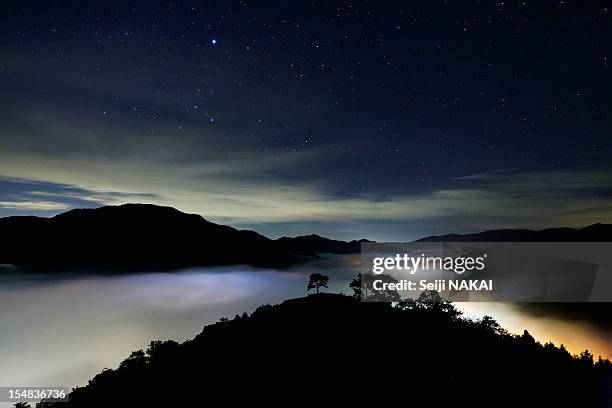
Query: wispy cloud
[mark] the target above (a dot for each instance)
(224, 191)
(34, 205)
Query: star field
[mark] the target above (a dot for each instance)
(346, 112)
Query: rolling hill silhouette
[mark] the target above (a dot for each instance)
(148, 237)
(131, 236)
(334, 350)
(314, 244)
(592, 233)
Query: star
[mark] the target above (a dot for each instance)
(213, 41)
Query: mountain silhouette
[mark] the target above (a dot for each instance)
(148, 238)
(131, 236)
(592, 233)
(335, 350)
(314, 244)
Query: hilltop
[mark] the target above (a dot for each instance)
(334, 349)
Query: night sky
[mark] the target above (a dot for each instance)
(378, 119)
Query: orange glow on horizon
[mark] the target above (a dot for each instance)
(575, 336)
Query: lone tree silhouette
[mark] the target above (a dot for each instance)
(317, 281)
(355, 285)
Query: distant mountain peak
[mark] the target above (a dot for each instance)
(146, 237)
(152, 237)
(593, 233)
(313, 244)
(125, 209)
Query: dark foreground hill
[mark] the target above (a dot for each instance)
(332, 350)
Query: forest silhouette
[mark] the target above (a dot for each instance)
(334, 349)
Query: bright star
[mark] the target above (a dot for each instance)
(213, 41)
